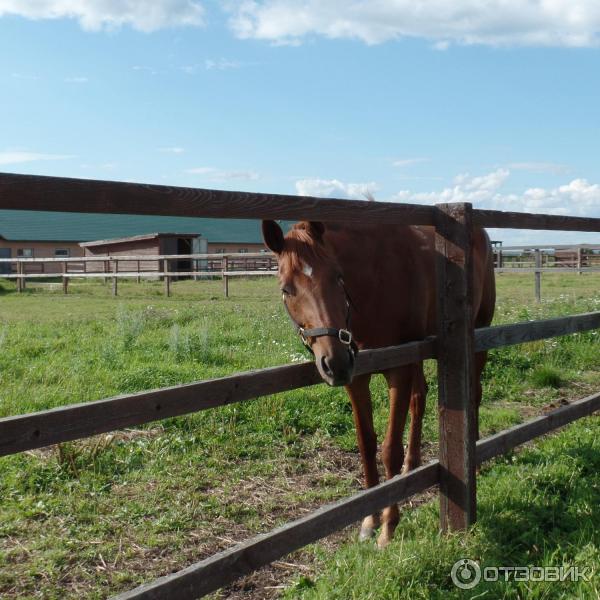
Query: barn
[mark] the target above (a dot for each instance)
(32, 234)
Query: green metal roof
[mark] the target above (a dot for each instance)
(85, 227)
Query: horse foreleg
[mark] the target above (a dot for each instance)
(417, 410)
(362, 410)
(399, 383)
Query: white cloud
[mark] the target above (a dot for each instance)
(25, 76)
(578, 197)
(210, 64)
(76, 80)
(539, 167)
(189, 69)
(571, 23)
(333, 188)
(144, 68)
(219, 175)
(16, 157)
(172, 149)
(408, 162)
(97, 15)
(221, 64)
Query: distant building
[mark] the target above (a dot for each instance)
(30, 234)
(151, 244)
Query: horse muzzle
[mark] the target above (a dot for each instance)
(336, 368)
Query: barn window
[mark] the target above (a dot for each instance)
(62, 253)
(25, 252)
(243, 250)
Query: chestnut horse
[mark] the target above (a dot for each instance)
(349, 287)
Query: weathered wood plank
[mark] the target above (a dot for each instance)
(151, 274)
(487, 338)
(571, 270)
(456, 391)
(242, 256)
(221, 569)
(515, 220)
(35, 430)
(214, 572)
(506, 440)
(33, 192)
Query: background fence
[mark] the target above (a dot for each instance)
(453, 346)
(535, 261)
(166, 267)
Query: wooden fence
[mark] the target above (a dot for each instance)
(226, 266)
(222, 266)
(547, 259)
(453, 347)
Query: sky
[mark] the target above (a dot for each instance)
(494, 103)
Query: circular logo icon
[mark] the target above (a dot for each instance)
(466, 574)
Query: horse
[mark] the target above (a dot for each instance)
(348, 287)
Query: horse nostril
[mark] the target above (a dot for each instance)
(326, 366)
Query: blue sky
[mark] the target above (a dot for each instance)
(411, 101)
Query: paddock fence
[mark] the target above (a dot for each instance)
(549, 258)
(225, 266)
(453, 347)
(167, 267)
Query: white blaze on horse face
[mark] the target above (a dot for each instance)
(307, 269)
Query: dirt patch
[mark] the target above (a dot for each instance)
(267, 583)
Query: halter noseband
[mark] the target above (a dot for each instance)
(343, 335)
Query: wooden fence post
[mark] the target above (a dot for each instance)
(457, 415)
(138, 279)
(165, 265)
(115, 278)
(579, 260)
(538, 275)
(19, 280)
(225, 278)
(65, 279)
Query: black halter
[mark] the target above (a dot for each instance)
(343, 335)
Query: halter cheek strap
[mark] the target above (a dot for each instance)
(343, 335)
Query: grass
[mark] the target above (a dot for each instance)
(536, 508)
(547, 377)
(98, 516)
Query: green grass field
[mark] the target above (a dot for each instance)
(91, 518)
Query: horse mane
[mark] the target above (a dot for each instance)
(301, 247)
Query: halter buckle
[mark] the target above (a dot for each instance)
(345, 336)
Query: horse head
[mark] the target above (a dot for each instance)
(315, 297)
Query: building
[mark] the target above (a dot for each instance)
(152, 244)
(32, 234)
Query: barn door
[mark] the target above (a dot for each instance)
(5, 267)
(200, 246)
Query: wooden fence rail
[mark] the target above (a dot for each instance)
(454, 347)
(75, 421)
(66, 423)
(225, 265)
(222, 569)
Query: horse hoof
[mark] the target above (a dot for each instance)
(383, 540)
(366, 534)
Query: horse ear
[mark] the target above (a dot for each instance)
(273, 236)
(316, 230)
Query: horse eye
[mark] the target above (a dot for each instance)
(286, 291)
